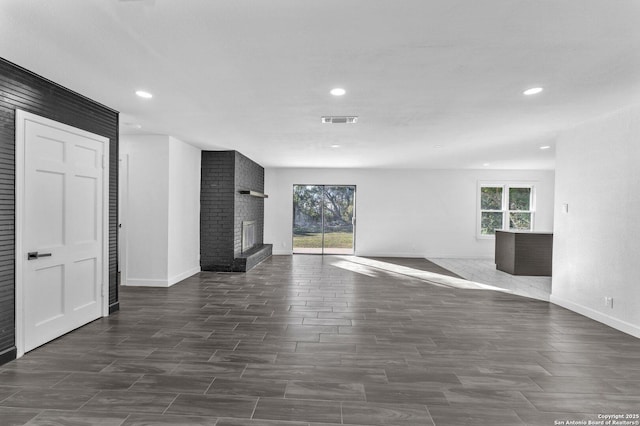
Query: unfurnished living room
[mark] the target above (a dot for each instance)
(314, 213)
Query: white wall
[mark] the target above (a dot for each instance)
(161, 227)
(147, 199)
(597, 241)
(184, 210)
(413, 213)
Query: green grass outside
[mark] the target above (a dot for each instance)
(331, 240)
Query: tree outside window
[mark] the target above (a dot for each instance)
(505, 207)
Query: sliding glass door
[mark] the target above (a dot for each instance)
(308, 223)
(338, 219)
(323, 219)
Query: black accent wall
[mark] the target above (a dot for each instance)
(217, 200)
(223, 209)
(22, 89)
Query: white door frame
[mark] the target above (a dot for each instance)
(123, 215)
(21, 120)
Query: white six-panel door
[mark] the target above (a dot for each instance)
(63, 224)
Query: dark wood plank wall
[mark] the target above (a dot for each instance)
(21, 89)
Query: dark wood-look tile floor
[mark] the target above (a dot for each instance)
(312, 341)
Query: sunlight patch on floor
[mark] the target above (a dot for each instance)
(372, 268)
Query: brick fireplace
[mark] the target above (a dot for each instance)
(232, 212)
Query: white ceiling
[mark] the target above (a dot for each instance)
(435, 83)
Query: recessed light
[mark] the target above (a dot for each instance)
(338, 91)
(335, 146)
(533, 91)
(144, 94)
(486, 164)
(545, 147)
(438, 146)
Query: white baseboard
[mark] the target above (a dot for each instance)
(143, 282)
(618, 324)
(412, 255)
(186, 274)
(395, 254)
(275, 252)
(449, 256)
(387, 254)
(420, 256)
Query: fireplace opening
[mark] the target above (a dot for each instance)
(248, 235)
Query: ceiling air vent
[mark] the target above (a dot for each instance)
(339, 119)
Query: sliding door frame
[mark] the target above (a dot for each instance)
(322, 215)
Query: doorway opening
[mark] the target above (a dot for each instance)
(324, 219)
(123, 216)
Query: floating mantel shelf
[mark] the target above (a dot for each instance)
(255, 194)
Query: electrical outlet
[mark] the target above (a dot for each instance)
(608, 302)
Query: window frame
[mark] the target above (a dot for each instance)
(505, 205)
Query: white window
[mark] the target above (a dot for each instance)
(505, 207)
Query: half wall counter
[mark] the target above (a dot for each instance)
(524, 252)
